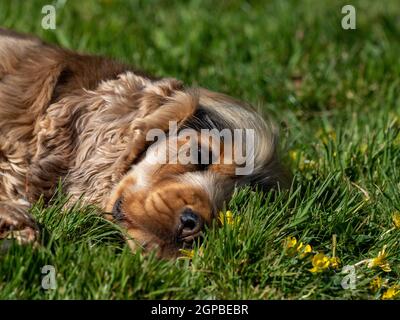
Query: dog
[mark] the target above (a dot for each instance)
(86, 120)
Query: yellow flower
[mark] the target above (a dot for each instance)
(396, 219)
(305, 251)
(334, 262)
(391, 293)
(293, 246)
(293, 154)
(190, 253)
(380, 261)
(376, 284)
(320, 262)
(228, 218)
(291, 242)
(301, 245)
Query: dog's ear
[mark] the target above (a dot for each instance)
(176, 108)
(112, 124)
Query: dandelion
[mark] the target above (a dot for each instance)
(293, 246)
(320, 263)
(376, 284)
(380, 261)
(305, 251)
(396, 219)
(291, 242)
(290, 245)
(334, 262)
(293, 154)
(391, 293)
(300, 246)
(189, 254)
(228, 218)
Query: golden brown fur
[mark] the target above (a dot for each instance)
(84, 120)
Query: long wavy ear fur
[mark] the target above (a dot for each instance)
(108, 127)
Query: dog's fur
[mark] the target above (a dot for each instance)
(84, 119)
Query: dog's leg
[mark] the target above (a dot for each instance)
(17, 223)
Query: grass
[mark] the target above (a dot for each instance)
(335, 94)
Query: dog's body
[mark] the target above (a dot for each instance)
(85, 120)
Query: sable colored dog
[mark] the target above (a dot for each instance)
(86, 119)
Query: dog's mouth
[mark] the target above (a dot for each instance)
(189, 242)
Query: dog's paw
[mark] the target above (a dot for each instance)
(17, 225)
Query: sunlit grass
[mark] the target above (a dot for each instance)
(335, 94)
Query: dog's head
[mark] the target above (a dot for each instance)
(181, 181)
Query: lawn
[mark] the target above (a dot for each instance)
(334, 93)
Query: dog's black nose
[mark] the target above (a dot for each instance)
(117, 210)
(191, 223)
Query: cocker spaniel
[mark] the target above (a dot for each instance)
(159, 157)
